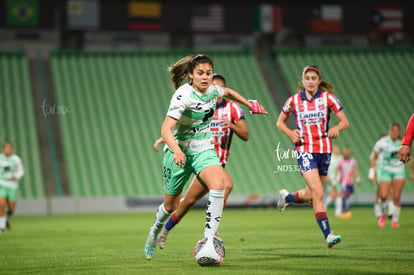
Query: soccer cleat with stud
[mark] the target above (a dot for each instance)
(381, 221)
(346, 215)
(395, 224)
(282, 204)
(149, 249)
(162, 239)
(333, 240)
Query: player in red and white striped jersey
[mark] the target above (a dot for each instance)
(404, 153)
(348, 171)
(228, 119)
(312, 118)
(312, 107)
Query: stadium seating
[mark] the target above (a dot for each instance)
(118, 100)
(374, 85)
(17, 121)
(117, 104)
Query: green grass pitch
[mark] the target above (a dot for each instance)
(257, 241)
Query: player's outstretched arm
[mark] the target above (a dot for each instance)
(253, 105)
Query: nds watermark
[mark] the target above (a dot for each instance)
(51, 110)
(284, 158)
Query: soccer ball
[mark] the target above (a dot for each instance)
(209, 252)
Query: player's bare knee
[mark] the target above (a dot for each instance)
(169, 207)
(228, 185)
(396, 200)
(217, 185)
(228, 189)
(317, 195)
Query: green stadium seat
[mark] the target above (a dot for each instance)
(117, 104)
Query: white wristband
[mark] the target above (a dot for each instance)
(371, 173)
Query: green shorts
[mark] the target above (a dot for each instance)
(336, 185)
(385, 175)
(8, 193)
(175, 177)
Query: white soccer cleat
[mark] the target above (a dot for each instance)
(206, 254)
(162, 239)
(282, 204)
(333, 240)
(149, 249)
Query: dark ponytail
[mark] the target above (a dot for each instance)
(180, 70)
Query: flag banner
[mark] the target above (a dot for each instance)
(144, 15)
(22, 12)
(83, 14)
(267, 18)
(208, 18)
(326, 19)
(388, 18)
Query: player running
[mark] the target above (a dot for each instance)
(348, 174)
(333, 186)
(390, 172)
(186, 132)
(228, 119)
(11, 170)
(312, 106)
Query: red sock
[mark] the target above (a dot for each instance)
(296, 196)
(175, 219)
(321, 215)
(172, 221)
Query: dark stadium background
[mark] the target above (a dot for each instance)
(67, 66)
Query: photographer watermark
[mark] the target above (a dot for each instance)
(284, 159)
(51, 110)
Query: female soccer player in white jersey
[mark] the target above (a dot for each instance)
(228, 119)
(186, 131)
(390, 172)
(11, 170)
(333, 186)
(312, 106)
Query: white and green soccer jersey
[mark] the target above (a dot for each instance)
(9, 167)
(388, 154)
(194, 112)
